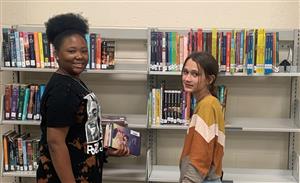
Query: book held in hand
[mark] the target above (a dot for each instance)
(116, 135)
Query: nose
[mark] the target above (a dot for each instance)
(187, 77)
(79, 55)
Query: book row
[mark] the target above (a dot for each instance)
(32, 50)
(176, 106)
(20, 152)
(249, 51)
(22, 101)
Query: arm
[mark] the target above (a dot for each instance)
(60, 154)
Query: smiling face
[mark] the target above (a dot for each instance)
(194, 79)
(73, 55)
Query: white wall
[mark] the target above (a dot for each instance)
(207, 14)
(241, 150)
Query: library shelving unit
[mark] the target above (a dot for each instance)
(116, 89)
(261, 122)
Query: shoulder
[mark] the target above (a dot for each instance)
(208, 103)
(61, 84)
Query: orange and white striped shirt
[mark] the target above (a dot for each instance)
(203, 150)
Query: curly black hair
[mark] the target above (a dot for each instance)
(64, 25)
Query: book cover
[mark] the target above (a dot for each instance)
(130, 138)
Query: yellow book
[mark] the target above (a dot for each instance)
(40, 40)
(214, 43)
(260, 55)
(157, 106)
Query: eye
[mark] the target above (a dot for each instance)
(72, 51)
(195, 74)
(185, 72)
(84, 50)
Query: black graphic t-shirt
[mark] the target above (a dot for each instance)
(68, 103)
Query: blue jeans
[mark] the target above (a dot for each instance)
(212, 181)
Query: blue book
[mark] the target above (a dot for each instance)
(87, 38)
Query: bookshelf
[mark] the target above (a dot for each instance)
(250, 136)
(127, 85)
(124, 85)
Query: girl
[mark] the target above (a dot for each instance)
(201, 158)
(69, 108)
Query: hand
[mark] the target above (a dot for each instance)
(122, 151)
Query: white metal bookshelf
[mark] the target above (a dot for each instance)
(222, 74)
(162, 173)
(137, 121)
(165, 172)
(128, 173)
(125, 64)
(248, 124)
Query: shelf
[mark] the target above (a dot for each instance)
(21, 122)
(134, 121)
(248, 124)
(129, 173)
(106, 32)
(137, 173)
(162, 173)
(178, 73)
(169, 127)
(137, 121)
(262, 124)
(89, 71)
(19, 174)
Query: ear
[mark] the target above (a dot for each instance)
(55, 55)
(210, 79)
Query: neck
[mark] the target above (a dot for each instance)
(64, 72)
(201, 95)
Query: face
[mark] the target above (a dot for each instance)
(73, 55)
(193, 79)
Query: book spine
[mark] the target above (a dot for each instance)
(18, 49)
(46, 50)
(37, 50)
(6, 47)
(13, 52)
(98, 51)
(41, 50)
(31, 102)
(26, 99)
(31, 50)
(104, 61)
(87, 38)
(93, 50)
(111, 45)
(29, 154)
(26, 50)
(22, 49)
(14, 101)
(7, 101)
(24, 152)
(36, 107)
(21, 101)
(5, 153)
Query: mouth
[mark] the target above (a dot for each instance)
(188, 85)
(79, 65)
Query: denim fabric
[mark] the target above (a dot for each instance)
(212, 181)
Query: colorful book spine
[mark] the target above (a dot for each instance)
(14, 101)
(6, 47)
